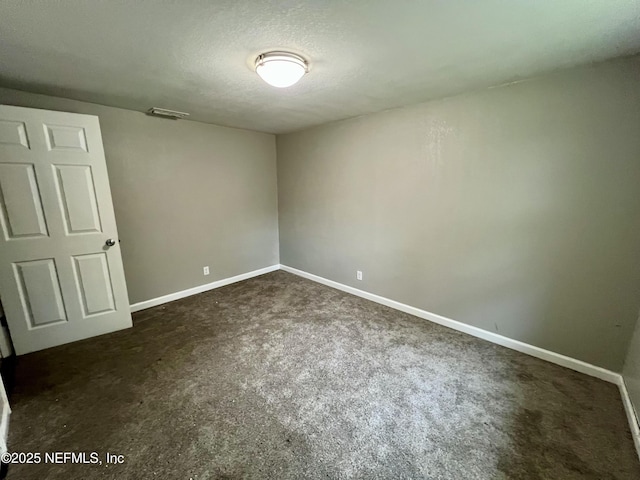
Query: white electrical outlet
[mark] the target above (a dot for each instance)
(359, 275)
(205, 270)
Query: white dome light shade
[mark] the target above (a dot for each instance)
(281, 69)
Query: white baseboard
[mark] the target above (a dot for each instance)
(558, 359)
(4, 415)
(631, 414)
(4, 428)
(202, 288)
(549, 356)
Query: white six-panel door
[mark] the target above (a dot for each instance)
(60, 281)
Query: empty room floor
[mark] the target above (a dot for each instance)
(279, 377)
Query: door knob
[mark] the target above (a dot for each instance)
(110, 243)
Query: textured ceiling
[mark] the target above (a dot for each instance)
(366, 55)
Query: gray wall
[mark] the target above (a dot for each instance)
(185, 194)
(631, 371)
(515, 209)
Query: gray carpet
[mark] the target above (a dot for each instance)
(281, 378)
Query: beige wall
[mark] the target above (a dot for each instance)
(185, 194)
(631, 370)
(515, 209)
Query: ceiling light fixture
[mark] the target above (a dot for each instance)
(281, 69)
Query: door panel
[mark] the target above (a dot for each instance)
(22, 214)
(13, 133)
(78, 198)
(40, 292)
(94, 280)
(59, 282)
(61, 137)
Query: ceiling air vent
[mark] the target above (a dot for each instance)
(163, 112)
